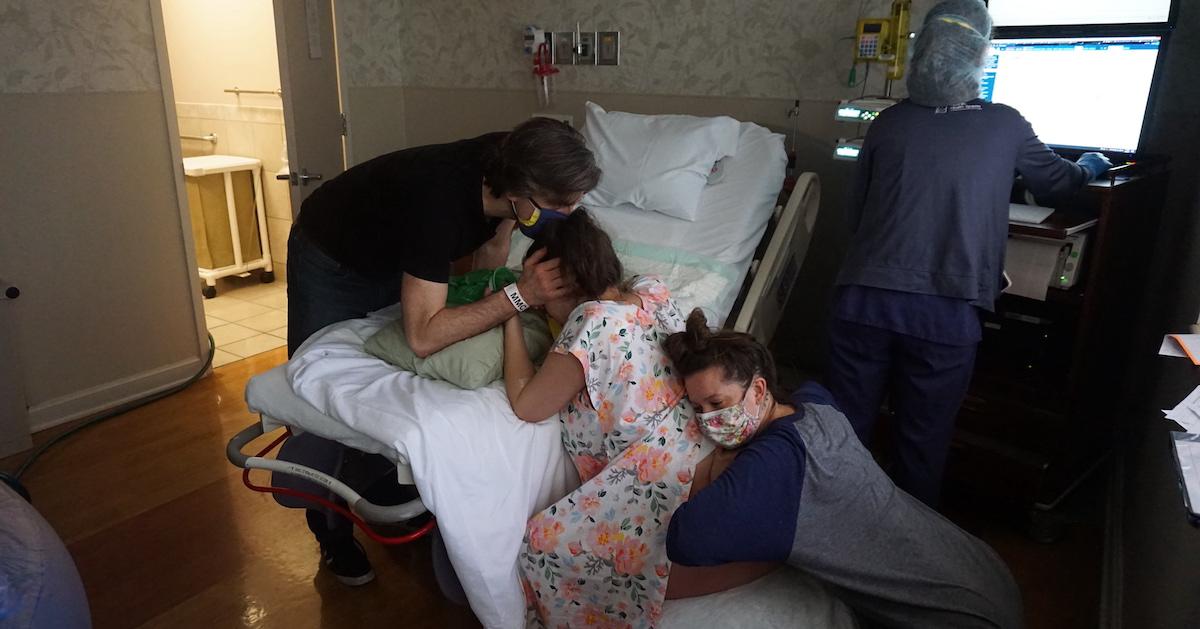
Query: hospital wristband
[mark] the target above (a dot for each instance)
(514, 296)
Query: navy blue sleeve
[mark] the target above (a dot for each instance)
(1046, 174)
(749, 512)
(813, 393)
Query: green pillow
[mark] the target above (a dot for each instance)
(470, 363)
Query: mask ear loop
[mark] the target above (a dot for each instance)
(762, 404)
(533, 218)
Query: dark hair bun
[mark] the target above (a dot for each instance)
(697, 334)
(739, 356)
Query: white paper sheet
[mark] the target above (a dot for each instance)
(1188, 344)
(1030, 264)
(1170, 347)
(1187, 412)
(1187, 449)
(1032, 214)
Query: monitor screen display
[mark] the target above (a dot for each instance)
(1088, 93)
(1073, 12)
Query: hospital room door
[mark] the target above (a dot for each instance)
(311, 103)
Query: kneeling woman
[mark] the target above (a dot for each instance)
(598, 556)
(795, 484)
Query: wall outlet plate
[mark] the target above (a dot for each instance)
(608, 48)
(587, 50)
(563, 51)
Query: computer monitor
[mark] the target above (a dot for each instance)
(1079, 93)
(1075, 12)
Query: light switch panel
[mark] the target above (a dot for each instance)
(608, 48)
(564, 45)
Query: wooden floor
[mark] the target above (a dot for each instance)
(165, 535)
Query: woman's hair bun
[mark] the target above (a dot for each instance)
(697, 332)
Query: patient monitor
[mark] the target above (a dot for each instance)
(1079, 93)
(1078, 12)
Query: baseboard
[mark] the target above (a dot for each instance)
(13, 446)
(1112, 584)
(111, 394)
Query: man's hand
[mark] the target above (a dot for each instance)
(541, 281)
(494, 252)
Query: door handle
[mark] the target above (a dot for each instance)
(300, 179)
(304, 177)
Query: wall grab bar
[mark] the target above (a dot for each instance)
(208, 137)
(237, 90)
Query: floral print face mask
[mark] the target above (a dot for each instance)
(731, 427)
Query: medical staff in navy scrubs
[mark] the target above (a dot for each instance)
(388, 230)
(929, 217)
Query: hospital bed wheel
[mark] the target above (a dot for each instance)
(267, 277)
(208, 291)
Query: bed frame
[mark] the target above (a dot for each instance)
(758, 310)
(773, 272)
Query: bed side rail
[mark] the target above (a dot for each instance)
(371, 512)
(775, 274)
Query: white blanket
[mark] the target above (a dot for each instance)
(483, 472)
(479, 469)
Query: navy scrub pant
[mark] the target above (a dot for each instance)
(925, 383)
(322, 291)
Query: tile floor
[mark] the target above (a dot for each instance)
(247, 317)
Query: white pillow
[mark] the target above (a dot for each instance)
(656, 163)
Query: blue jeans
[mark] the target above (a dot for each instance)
(322, 291)
(926, 383)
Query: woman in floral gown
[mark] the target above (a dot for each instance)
(597, 557)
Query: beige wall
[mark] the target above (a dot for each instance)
(376, 121)
(219, 44)
(749, 48)
(92, 231)
(441, 65)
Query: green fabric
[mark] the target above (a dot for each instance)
(470, 363)
(470, 288)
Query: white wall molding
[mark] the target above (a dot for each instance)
(111, 394)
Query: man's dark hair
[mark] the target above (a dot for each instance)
(584, 251)
(740, 356)
(544, 158)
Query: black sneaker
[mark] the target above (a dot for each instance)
(348, 562)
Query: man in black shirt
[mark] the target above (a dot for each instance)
(388, 229)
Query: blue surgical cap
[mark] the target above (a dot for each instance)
(948, 57)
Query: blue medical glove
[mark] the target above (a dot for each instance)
(1095, 163)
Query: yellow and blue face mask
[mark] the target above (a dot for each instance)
(537, 221)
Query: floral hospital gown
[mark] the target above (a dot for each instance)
(598, 557)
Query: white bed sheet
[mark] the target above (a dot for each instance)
(482, 471)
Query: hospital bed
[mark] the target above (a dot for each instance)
(481, 470)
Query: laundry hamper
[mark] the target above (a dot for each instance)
(229, 220)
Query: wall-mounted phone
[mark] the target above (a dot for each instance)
(872, 39)
(885, 39)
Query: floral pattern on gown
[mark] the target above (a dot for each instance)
(597, 558)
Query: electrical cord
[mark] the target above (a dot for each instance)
(14, 480)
